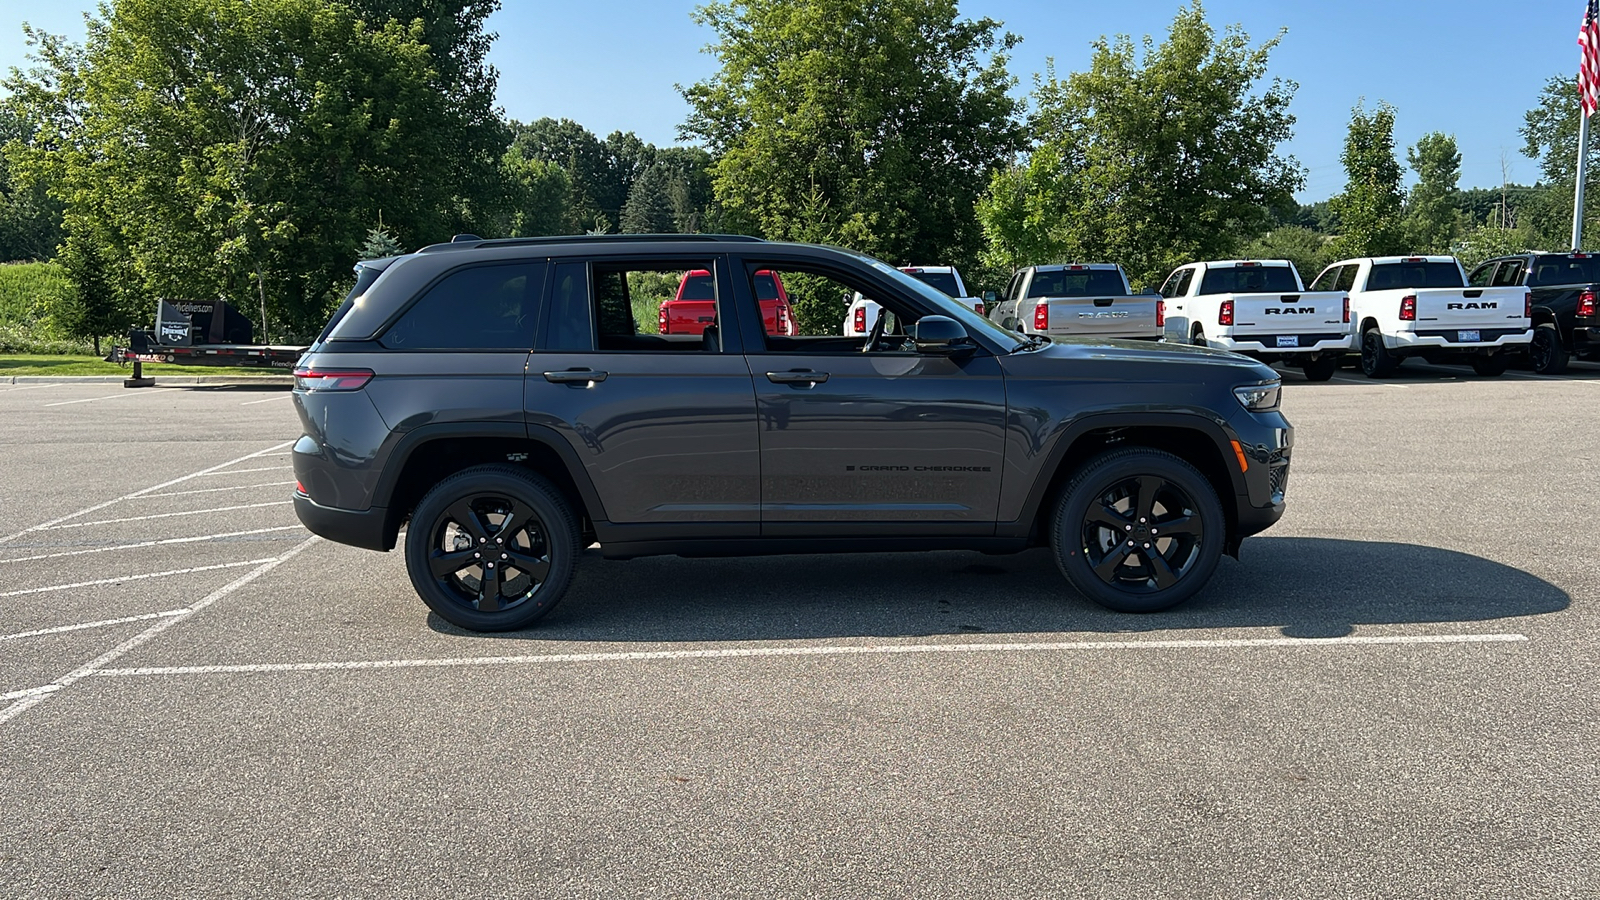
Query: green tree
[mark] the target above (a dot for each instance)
(380, 243)
(1550, 135)
(872, 124)
(537, 193)
(30, 219)
(94, 308)
(600, 172)
(1432, 214)
(1159, 154)
(1370, 208)
(649, 207)
(1307, 249)
(239, 148)
(1488, 241)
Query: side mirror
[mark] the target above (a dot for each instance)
(941, 336)
(988, 297)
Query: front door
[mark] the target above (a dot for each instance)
(883, 438)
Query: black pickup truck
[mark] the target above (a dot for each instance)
(1563, 286)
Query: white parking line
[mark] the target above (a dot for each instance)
(125, 394)
(24, 704)
(237, 487)
(62, 629)
(140, 493)
(139, 544)
(267, 400)
(191, 512)
(870, 649)
(245, 471)
(30, 692)
(27, 387)
(166, 574)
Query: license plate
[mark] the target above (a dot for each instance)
(1467, 337)
(1288, 340)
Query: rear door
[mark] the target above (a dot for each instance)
(665, 425)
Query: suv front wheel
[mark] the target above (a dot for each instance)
(492, 548)
(1138, 530)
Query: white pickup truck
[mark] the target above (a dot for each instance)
(1090, 300)
(1258, 307)
(1405, 306)
(863, 312)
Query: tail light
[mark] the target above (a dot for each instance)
(663, 321)
(1347, 310)
(861, 320)
(785, 324)
(1408, 308)
(1225, 315)
(978, 308)
(311, 379)
(1586, 302)
(1527, 305)
(1041, 317)
(1161, 313)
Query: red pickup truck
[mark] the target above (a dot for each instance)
(694, 307)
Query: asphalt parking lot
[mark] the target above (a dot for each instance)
(1393, 694)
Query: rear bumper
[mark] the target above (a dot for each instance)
(1412, 341)
(1267, 344)
(364, 528)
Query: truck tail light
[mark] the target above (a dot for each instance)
(861, 320)
(1225, 315)
(310, 379)
(1347, 310)
(978, 308)
(1408, 308)
(663, 322)
(1041, 317)
(1161, 313)
(1586, 302)
(1527, 305)
(785, 324)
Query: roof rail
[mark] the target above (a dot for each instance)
(468, 242)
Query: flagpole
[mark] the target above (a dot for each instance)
(1583, 170)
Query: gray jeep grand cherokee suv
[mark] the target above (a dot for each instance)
(507, 399)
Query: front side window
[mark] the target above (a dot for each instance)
(490, 307)
(1509, 273)
(1326, 281)
(1347, 278)
(1480, 276)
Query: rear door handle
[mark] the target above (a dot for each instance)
(797, 377)
(575, 376)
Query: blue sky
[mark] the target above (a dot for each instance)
(1466, 67)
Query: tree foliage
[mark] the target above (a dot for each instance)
(1370, 207)
(872, 124)
(1433, 211)
(1157, 155)
(241, 148)
(1550, 135)
(1307, 249)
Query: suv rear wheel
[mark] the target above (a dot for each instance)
(1138, 530)
(492, 548)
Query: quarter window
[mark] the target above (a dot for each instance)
(1509, 273)
(478, 308)
(1347, 278)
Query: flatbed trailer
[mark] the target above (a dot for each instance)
(219, 330)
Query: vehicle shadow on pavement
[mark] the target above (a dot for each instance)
(1306, 587)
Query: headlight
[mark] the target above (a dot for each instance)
(1259, 397)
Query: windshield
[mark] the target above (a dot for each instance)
(1091, 283)
(1250, 280)
(1549, 270)
(1393, 276)
(941, 301)
(944, 282)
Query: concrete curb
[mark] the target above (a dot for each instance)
(283, 380)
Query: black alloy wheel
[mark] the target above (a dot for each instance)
(491, 548)
(1321, 369)
(1376, 360)
(1492, 365)
(1138, 530)
(1546, 353)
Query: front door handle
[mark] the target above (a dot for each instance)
(798, 376)
(575, 376)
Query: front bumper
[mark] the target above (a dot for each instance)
(364, 528)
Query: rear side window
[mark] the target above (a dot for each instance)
(1327, 280)
(1393, 276)
(1509, 273)
(1347, 278)
(1249, 280)
(1093, 283)
(1549, 270)
(478, 308)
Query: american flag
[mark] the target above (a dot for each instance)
(1589, 69)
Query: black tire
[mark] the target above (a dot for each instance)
(1376, 360)
(1492, 365)
(1321, 369)
(1198, 338)
(1124, 569)
(537, 527)
(1546, 352)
